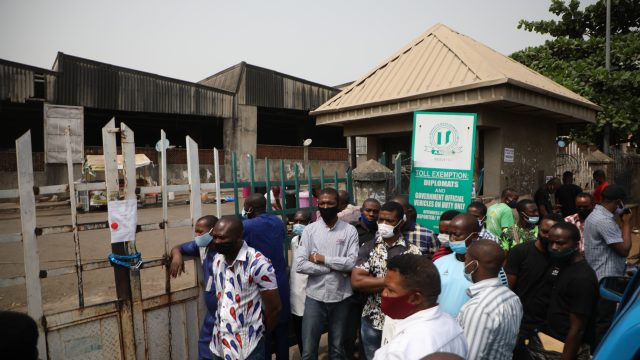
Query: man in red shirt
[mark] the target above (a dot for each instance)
(600, 179)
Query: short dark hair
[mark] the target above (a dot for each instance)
(522, 204)
(567, 174)
(574, 233)
(418, 272)
(598, 174)
(330, 191)
(393, 206)
(479, 206)
(18, 335)
(585, 195)
(554, 217)
(449, 215)
(507, 190)
(210, 220)
(371, 200)
(613, 192)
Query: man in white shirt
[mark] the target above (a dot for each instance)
(412, 286)
(491, 319)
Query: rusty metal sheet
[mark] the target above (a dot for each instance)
(178, 322)
(193, 326)
(157, 340)
(99, 340)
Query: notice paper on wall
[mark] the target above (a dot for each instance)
(123, 220)
(508, 155)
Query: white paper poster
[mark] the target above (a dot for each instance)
(508, 155)
(123, 220)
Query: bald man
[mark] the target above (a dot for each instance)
(249, 303)
(491, 319)
(463, 229)
(266, 233)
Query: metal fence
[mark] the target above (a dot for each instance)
(165, 326)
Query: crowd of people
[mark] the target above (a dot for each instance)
(517, 280)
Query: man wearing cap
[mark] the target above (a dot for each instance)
(606, 247)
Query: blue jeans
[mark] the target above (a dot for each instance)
(370, 337)
(256, 354)
(316, 316)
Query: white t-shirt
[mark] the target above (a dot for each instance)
(297, 283)
(423, 333)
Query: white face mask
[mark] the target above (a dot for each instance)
(386, 230)
(443, 238)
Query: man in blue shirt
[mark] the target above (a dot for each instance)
(463, 229)
(201, 247)
(266, 233)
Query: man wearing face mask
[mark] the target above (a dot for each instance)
(266, 233)
(371, 267)
(443, 233)
(572, 299)
(500, 215)
(584, 206)
(526, 267)
(327, 253)
(297, 281)
(491, 319)
(367, 225)
(416, 234)
(479, 210)
(248, 300)
(410, 294)
(202, 247)
(525, 230)
(606, 247)
(463, 229)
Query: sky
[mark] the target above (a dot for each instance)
(330, 41)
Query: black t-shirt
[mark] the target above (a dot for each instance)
(531, 266)
(575, 291)
(364, 234)
(566, 196)
(542, 197)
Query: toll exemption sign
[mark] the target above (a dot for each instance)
(442, 171)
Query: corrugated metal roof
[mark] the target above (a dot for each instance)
(17, 81)
(89, 83)
(439, 61)
(258, 86)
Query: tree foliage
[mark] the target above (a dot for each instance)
(575, 58)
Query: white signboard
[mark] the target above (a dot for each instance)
(56, 120)
(123, 220)
(508, 155)
(443, 141)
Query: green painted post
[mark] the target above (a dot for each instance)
(267, 179)
(296, 181)
(322, 178)
(251, 174)
(349, 185)
(283, 193)
(397, 172)
(335, 180)
(310, 182)
(383, 158)
(234, 177)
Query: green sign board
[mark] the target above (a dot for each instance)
(442, 170)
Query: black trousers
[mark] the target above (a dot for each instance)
(605, 311)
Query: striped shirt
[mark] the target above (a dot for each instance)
(329, 282)
(423, 238)
(491, 320)
(600, 231)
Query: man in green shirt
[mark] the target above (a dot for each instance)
(500, 215)
(525, 230)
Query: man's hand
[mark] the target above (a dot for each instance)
(316, 258)
(177, 263)
(626, 216)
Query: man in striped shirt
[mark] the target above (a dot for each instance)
(491, 319)
(416, 234)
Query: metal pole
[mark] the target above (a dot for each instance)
(607, 65)
(267, 184)
(234, 178)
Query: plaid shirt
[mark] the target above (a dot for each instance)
(575, 220)
(423, 238)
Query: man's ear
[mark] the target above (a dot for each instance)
(416, 298)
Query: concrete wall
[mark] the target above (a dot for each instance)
(241, 137)
(533, 141)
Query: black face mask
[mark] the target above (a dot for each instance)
(328, 214)
(543, 241)
(225, 248)
(584, 213)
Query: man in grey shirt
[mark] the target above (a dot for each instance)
(327, 253)
(606, 247)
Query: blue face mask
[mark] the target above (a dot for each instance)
(458, 247)
(298, 229)
(204, 239)
(371, 225)
(531, 219)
